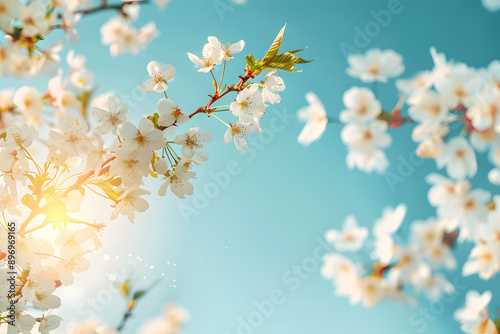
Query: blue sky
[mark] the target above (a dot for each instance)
(252, 233)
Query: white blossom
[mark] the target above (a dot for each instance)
(351, 238)
(315, 118)
(158, 77)
(193, 142)
(361, 105)
(212, 55)
(170, 113)
(375, 65)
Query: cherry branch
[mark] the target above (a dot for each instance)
(79, 182)
(206, 109)
(105, 6)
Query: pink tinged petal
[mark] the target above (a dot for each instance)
(99, 115)
(117, 210)
(154, 67)
(71, 35)
(163, 188)
(131, 216)
(314, 101)
(81, 264)
(168, 132)
(66, 278)
(228, 136)
(182, 119)
(146, 126)
(205, 69)
(181, 139)
(83, 146)
(131, 178)
(148, 86)
(165, 106)
(166, 120)
(304, 114)
(187, 152)
(160, 87)
(127, 130)
(237, 47)
(272, 98)
(181, 187)
(142, 204)
(195, 59)
(201, 154)
(311, 132)
(213, 40)
(203, 138)
(168, 72)
(113, 103)
(257, 128)
(123, 113)
(240, 143)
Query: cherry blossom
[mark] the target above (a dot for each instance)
(238, 131)
(158, 77)
(365, 143)
(315, 118)
(170, 113)
(273, 85)
(350, 238)
(235, 48)
(361, 105)
(249, 106)
(141, 140)
(193, 143)
(375, 65)
(212, 55)
(111, 118)
(475, 311)
(131, 202)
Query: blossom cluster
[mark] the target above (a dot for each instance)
(455, 112)
(391, 268)
(250, 104)
(122, 36)
(474, 317)
(24, 25)
(61, 150)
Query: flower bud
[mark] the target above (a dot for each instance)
(494, 176)
(431, 148)
(161, 166)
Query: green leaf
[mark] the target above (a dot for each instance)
(250, 61)
(289, 58)
(154, 119)
(297, 50)
(139, 294)
(273, 50)
(285, 61)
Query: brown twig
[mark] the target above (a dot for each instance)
(234, 88)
